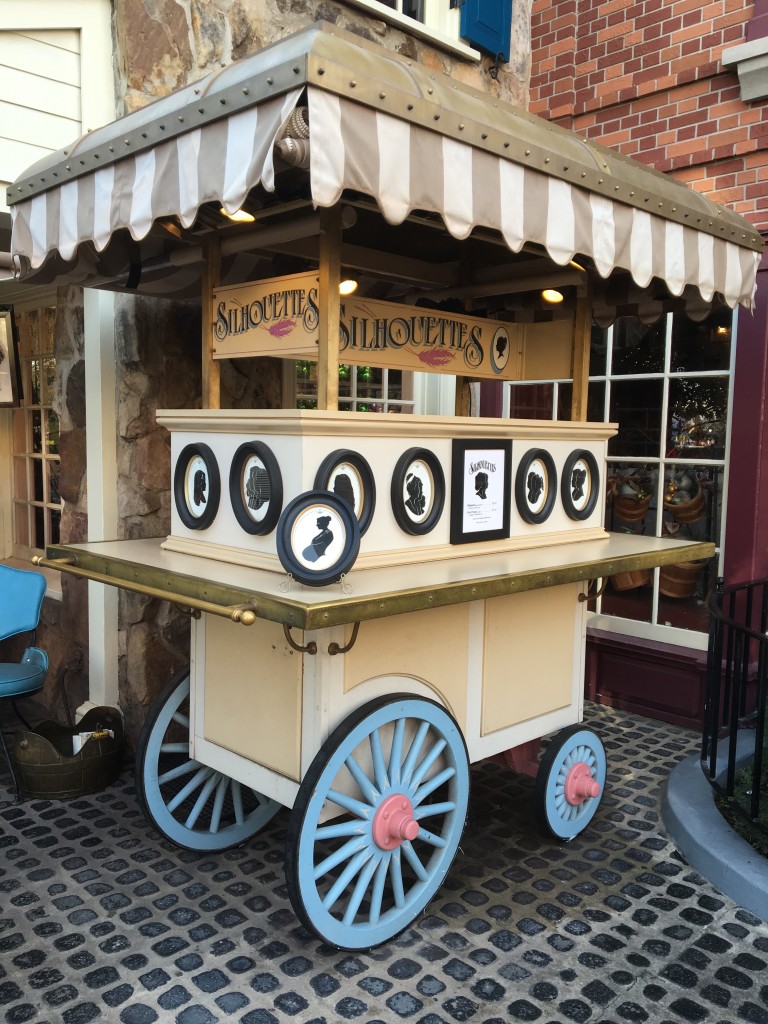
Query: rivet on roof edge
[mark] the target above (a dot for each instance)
(410, 106)
(246, 91)
(436, 117)
(484, 135)
(382, 95)
(296, 70)
(527, 152)
(270, 81)
(321, 71)
(352, 83)
(461, 127)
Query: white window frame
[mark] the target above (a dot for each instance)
(441, 25)
(429, 393)
(690, 638)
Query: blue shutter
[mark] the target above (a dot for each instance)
(487, 24)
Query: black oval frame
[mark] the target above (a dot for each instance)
(285, 552)
(521, 500)
(396, 491)
(326, 468)
(581, 455)
(187, 453)
(236, 497)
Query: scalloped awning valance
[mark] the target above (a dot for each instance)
(383, 126)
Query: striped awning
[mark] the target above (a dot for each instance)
(409, 138)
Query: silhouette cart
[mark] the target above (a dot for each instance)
(378, 599)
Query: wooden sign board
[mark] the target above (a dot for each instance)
(279, 317)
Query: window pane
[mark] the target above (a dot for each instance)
(36, 398)
(37, 432)
(701, 346)
(638, 348)
(21, 525)
(693, 502)
(595, 402)
(636, 407)
(414, 9)
(53, 482)
(37, 477)
(49, 380)
(697, 417)
(53, 433)
(55, 526)
(20, 484)
(39, 519)
(597, 353)
(632, 497)
(630, 595)
(20, 427)
(531, 401)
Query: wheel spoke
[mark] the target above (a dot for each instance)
(201, 801)
(411, 856)
(178, 772)
(366, 787)
(360, 890)
(194, 783)
(342, 828)
(377, 892)
(427, 762)
(413, 753)
(237, 802)
(431, 838)
(218, 804)
(396, 752)
(377, 758)
(427, 810)
(349, 849)
(349, 803)
(345, 878)
(181, 719)
(396, 878)
(174, 748)
(434, 783)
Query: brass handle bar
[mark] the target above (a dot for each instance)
(244, 613)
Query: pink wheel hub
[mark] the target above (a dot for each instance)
(580, 785)
(394, 822)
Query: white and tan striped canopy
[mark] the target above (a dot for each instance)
(388, 129)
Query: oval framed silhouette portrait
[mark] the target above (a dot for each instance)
(536, 486)
(196, 486)
(256, 488)
(418, 491)
(318, 538)
(348, 476)
(580, 485)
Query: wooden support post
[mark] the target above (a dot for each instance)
(330, 311)
(582, 339)
(211, 280)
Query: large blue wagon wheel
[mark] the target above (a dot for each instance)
(377, 821)
(570, 781)
(194, 806)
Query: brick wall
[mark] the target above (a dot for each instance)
(646, 78)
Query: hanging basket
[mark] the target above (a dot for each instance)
(630, 501)
(680, 580)
(690, 511)
(47, 767)
(631, 580)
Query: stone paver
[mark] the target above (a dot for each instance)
(101, 920)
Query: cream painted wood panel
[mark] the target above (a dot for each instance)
(530, 642)
(430, 645)
(27, 91)
(40, 97)
(52, 55)
(252, 693)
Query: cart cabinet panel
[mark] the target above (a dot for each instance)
(530, 644)
(251, 693)
(430, 645)
(418, 474)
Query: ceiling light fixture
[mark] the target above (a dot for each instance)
(238, 216)
(552, 295)
(348, 286)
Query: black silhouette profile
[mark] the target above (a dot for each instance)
(535, 487)
(257, 489)
(481, 484)
(198, 491)
(578, 479)
(415, 502)
(501, 348)
(342, 486)
(320, 543)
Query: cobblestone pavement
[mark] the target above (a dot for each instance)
(101, 920)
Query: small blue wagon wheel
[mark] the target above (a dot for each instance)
(570, 781)
(194, 806)
(397, 770)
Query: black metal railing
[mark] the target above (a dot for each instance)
(734, 756)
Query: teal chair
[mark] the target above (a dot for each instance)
(21, 597)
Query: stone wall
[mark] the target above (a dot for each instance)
(164, 44)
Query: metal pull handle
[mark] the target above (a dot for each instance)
(243, 613)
